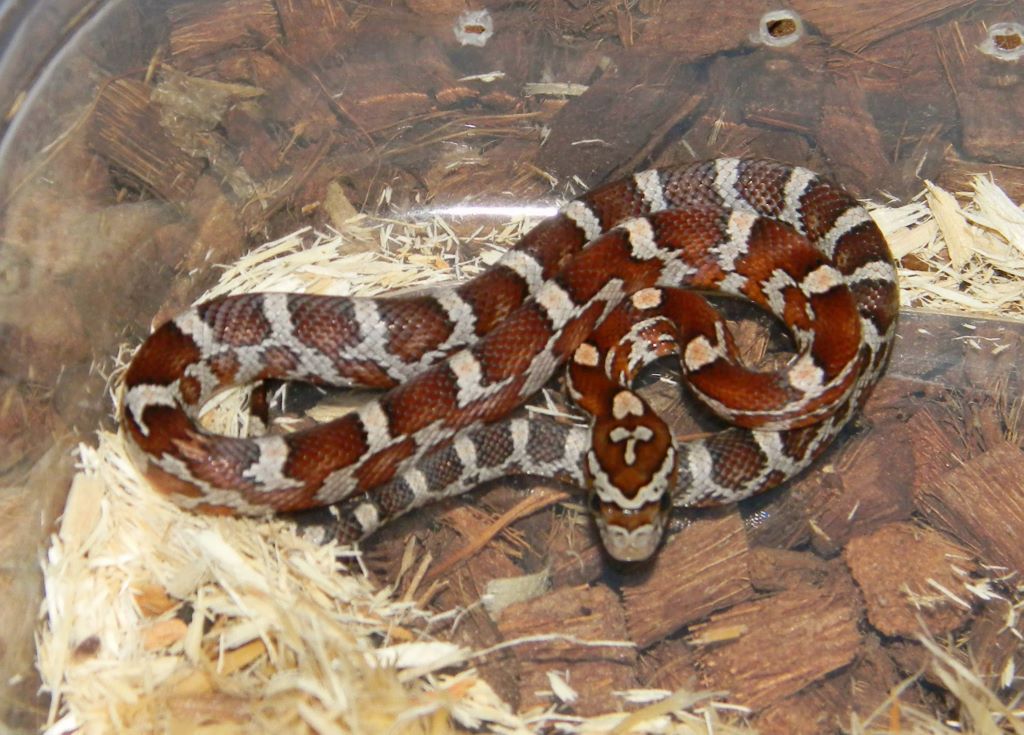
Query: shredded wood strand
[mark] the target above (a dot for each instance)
(970, 250)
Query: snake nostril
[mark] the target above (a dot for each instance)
(666, 502)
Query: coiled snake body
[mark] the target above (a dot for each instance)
(604, 287)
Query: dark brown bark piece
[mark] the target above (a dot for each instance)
(774, 570)
(125, 130)
(902, 570)
(903, 75)
(721, 132)
(690, 32)
(612, 127)
(995, 647)
(957, 174)
(258, 153)
(574, 553)
(430, 8)
(314, 30)
(701, 569)
(872, 485)
(872, 679)
(854, 27)
(991, 107)
(828, 706)
(199, 29)
(910, 99)
(586, 613)
(777, 519)
(293, 98)
(982, 505)
(463, 586)
(505, 173)
(935, 448)
(846, 117)
(805, 713)
(214, 236)
(493, 561)
(778, 90)
(669, 665)
(773, 647)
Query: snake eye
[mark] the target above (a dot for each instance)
(666, 503)
(594, 503)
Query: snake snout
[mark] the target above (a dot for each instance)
(631, 535)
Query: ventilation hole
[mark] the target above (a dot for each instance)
(779, 28)
(1008, 42)
(1005, 41)
(474, 28)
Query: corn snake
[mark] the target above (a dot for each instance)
(604, 287)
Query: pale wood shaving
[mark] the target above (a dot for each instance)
(971, 248)
(952, 224)
(561, 689)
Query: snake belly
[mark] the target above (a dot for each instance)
(586, 288)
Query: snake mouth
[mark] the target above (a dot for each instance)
(631, 535)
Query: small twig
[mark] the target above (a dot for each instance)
(538, 501)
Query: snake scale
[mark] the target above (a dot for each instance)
(612, 282)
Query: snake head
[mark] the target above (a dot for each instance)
(631, 470)
(631, 535)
